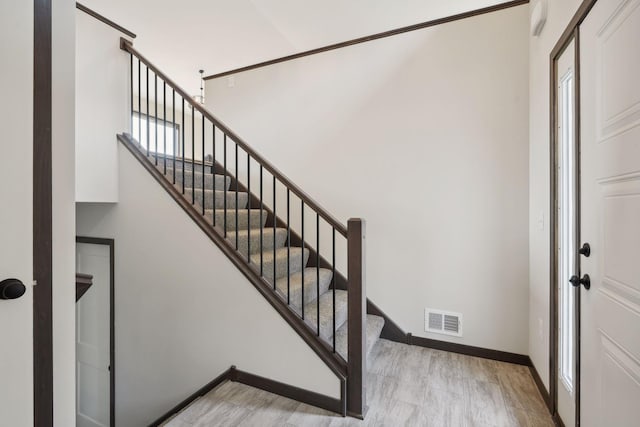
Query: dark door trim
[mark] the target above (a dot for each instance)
(42, 217)
(571, 33)
(112, 335)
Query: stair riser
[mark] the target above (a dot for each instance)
(221, 181)
(326, 313)
(296, 264)
(178, 165)
(267, 240)
(310, 286)
(243, 219)
(218, 203)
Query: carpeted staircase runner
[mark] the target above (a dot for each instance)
(251, 223)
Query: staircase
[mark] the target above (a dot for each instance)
(273, 233)
(283, 265)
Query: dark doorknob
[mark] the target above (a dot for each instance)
(11, 289)
(585, 250)
(585, 281)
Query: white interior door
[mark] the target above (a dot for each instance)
(567, 204)
(610, 143)
(93, 348)
(16, 212)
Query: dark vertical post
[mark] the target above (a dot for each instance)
(224, 154)
(175, 133)
(237, 181)
(164, 127)
(203, 173)
(131, 127)
(333, 290)
(302, 249)
(147, 111)
(357, 304)
(288, 247)
(249, 207)
(261, 227)
(139, 103)
(213, 170)
(318, 270)
(42, 219)
(155, 113)
(193, 155)
(183, 159)
(275, 221)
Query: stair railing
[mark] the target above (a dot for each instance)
(182, 148)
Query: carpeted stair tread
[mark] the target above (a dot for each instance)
(245, 217)
(221, 180)
(373, 330)
(253, 236)
(219, 198)
(297, 261)
(326, 313)
(310, 287)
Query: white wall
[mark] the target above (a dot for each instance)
(16, 214)
(102, 99)
(63, 179)
(559, 15)
(183, 311)
(220, 35)
(425, 135)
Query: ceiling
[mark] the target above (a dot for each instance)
(181, 37)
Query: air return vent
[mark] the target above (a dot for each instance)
(443, 322)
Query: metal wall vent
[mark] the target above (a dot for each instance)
(442, 322)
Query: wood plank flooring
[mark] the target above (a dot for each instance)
(406, 386)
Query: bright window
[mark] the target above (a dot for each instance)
(166, 132)
(567, 228)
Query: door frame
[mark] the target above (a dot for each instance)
(112, 335)
(42, 216)
(570, 34)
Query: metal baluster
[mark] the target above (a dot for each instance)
(131, 127)
(155, 112)
(274, 233)
(288, 248)
(249, 207)
(193, 155)
(318, 269)
(225, 185)
(237, 181)
(213, 171)
(148, 112)
(173, 120)
(302, 237)
(203, 173)
(333, 270)
(183, 143)
(261, 227)
(164, 122)
(139, 103)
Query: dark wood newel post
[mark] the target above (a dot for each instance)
(357, 307)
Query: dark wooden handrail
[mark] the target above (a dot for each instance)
(104, 19)
(373, 37)
(127, 46)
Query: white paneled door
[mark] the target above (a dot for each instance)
(16, 211)
(93, 347)
(610, 213)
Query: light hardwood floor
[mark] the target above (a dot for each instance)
(406, 386)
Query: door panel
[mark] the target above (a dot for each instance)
(93, 347)
(16, 213)
(610, 141)
(566, 231)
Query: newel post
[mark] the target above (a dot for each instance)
(357, 311)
